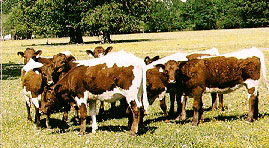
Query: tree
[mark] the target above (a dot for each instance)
(117, 16)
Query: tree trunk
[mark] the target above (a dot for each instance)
(106, 38)
(75, 35)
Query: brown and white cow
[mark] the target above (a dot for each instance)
(35, 76)
(108, 78)
(156, 81)
(220, 75)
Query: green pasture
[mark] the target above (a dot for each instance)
(220, 129)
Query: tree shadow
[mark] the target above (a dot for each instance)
(95, 42)
(11, 71)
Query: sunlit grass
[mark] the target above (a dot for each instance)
(220, 129)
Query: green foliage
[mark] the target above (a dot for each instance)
(106, 17)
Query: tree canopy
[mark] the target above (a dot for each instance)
(75, 18)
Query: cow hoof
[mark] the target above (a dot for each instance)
(132, 133)
(181, 118)
(195, 123)
(250, 119)
(80, 134)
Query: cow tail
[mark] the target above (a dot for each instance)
(263, 68)
(144, 84)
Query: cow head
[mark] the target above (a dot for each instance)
(170, 69)
(99, 51)
(29, 53)
(50, 100)
(60, 63)
(149, 60)
(156, 83)
(46, 72)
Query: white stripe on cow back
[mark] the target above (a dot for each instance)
(182, 56)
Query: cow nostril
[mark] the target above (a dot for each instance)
(172, 81)
(50, 82)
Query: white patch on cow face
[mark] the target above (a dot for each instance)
(37, 72)
(224, 90)
(161, 70)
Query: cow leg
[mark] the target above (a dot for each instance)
(182, 111)
(28, 106)
(197, 106)
(113, 105)
(65, 116)
(221, 105)
(37, 117)
(214, 101)
(83, 115)
(136, 114)
(102, 108)
(47, 121)
(92, 108)
(172, 104)
(253, 104)
(163, 106)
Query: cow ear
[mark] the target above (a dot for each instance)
(57, 87)
(71, 58)
(108, 49)
(161, 67)
(39, 52)
(37, 70)
(89, 52)
(35, 58)
(146, 59)
(20, 53)
(155, 58)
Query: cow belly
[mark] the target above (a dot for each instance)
(224, 90)
(109, 96)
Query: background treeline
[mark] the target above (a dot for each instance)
(75, 18)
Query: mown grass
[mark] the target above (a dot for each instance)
(220, 129)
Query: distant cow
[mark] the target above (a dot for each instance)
(219, 75)
(99, 51)
(29, 53)
(156, 81)
(108, 78)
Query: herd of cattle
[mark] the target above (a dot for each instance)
(62, 82)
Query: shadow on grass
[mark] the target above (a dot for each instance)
(11, 71)
(94, 42)
(55, 123)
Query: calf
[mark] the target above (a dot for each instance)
(34, 77)
(99, 51)
(216, 74)
(108, 79)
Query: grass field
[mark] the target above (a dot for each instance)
(220, 129)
